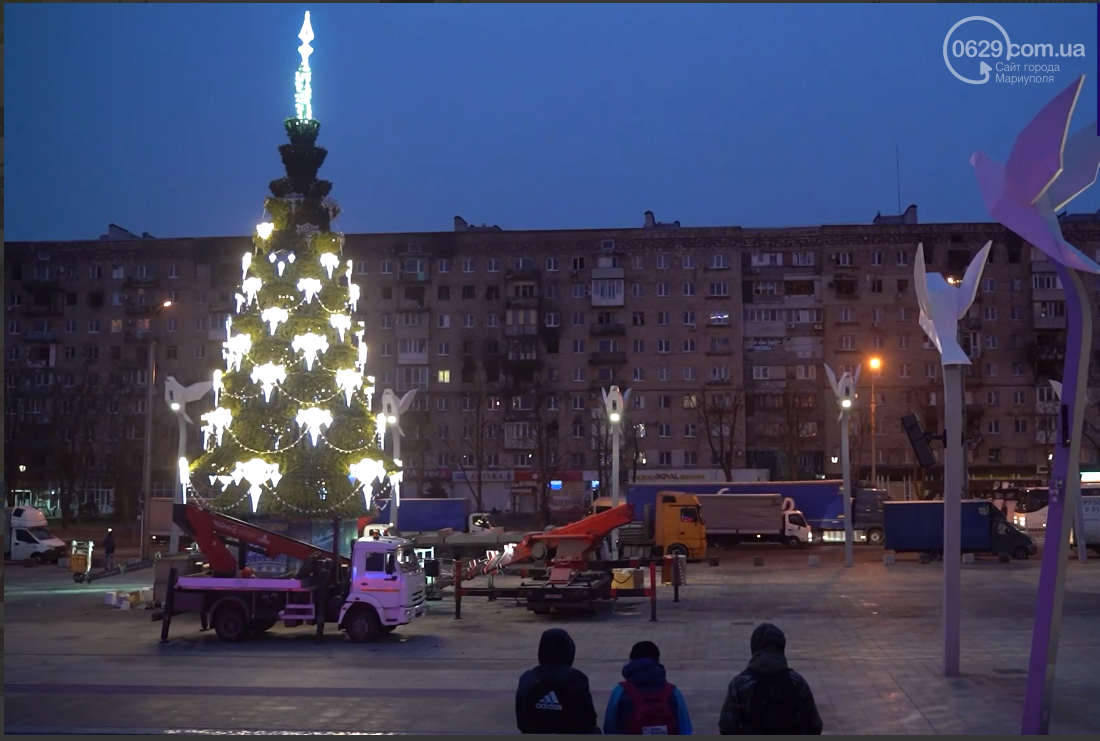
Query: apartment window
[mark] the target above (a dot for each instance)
(637, 318)
(664, 346)
(847, 342)
(469, 321)
(443, 349)
(663, 318)
(578, 431)
(844, 259)
(1017, 285)
(662, 289)
(95, 272)
(387, 349)
(806, 372)
(991, 342)
(689, 289)
(765, 288)
(1045, 282)
(639, 403)
(467, 265)
(70, 353)
(991, 370)
(876, 342)
(719, 289)
(1016, 313)
(441, 403)
(93, 326)
(116, 326)
(360, 267)
(905, 370)
(876, 259)
(552, 403)
(492, 265)
(761, 373)
(638, 374)
(637, 290)
(637, 262)
(1017, 369)
(719, 262)
(578, 319)
(386, 267)
(662, 262)
(689, 373)
(993, 427)
(989, 285)
(637, 345)
(903, 342)
(386, 321)
(578, 290)
(553, 319)
(118, 272)
(201, 297)
(443, 376)
(200, 352)
(846, 315)
(802, 259)
(578, 347)
(876, 285)
(492, 320)
(689, 318)
(551, 264)
(578, 403)
(664, 458)
(989, 313)
(901, 259)
(689, 345)
(930, 371)
(720, 374)
(664, 430)
(663, 374)
(1020, 426)
(443, 321)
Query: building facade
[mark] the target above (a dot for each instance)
(720, 333)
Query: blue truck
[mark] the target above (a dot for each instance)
(819, 501)
(917, 527)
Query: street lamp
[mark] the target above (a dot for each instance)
(875, 365)
(614, 403)
(147, 457)
(390, 417)
(845, 390)
(177, 397)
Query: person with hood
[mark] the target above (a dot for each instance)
(109, 550)
(769, 698)
(645, 702)
(554, 697)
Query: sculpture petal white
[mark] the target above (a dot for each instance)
(942, 305)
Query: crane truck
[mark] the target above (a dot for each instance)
(379, 587)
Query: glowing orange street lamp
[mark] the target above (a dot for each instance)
(876, 365)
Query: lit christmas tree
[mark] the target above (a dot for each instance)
(292, 431)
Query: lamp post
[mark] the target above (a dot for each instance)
(1079, 510)
(845, 390)
(392, 409)
(177, 397)
(613, 402)
(147, 457)
(875, 365)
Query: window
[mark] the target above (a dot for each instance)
(637, 290)
(720, 374)
(689, 289)
(662, 262)
(989, 285)
(1017, 369)
(990, 342)
(578, 319)
(662, 289)
(578, 431)
(578, 347)
(553, 319)
(761, 373)
(1045, 282)
(664, 346)
(993, 427)
(93, 326)
(689, 373)
(806, 372)
(663, 374)
(765, 288)
(443, 376)
(551, 264)
(469, 321)
(664, 430)
(1016, 313)
(200, 351)
(492, 320)
(663, 318)
(386, 267)
(578, 375)
(719, 262)
(847, 342)
(846, 315)
(844, 259)
(719, 289)
(386, 321)
(720, 318)
(578, 263)
(802, 259)
(578, 290)
(443, 321)
(664, 458)
(116, 325)
(467, 265)
(903, 342)
(905, 370)
(689, 318)
(492, 265)
(1020, 426)
(876, 259)
(901, 259)
(689, 345)
(989, 313)
(638, 374)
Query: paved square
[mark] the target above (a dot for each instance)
(866, 638)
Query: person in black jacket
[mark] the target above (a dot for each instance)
(554, 697)
(109, 550)
(769, 698)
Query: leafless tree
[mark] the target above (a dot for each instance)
(545, 441)
(719, 410)
(479, 410)
(17, 428)
(787, 414)
(602, 442)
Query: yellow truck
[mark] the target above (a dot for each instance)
(667, 522)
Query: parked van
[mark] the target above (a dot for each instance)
(26, 536)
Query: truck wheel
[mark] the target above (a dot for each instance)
(259, 627)
(793, 542)
(874, 537)
(1020, 553)
(935, 555)
(677, 549)
(230, 622)
(362, 624)
(78, 577)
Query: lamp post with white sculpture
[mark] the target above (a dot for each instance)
(613, 405)
(147, 453)
(845, 390)
(942, 305)
(177, 397)
(390, 418)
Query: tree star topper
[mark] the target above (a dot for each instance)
(303, 78)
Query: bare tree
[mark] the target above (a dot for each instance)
(479, 409)
(787, 416)
(603, 444)
(719, 413)
(16, 428)
(546, 443)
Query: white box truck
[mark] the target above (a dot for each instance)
(756, 518)
(26, 536)
(1092, 524)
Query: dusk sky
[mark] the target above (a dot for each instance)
(166, 118)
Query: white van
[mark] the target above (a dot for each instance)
(26, 536)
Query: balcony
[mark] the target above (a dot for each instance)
(410, 276)
(521, 302)
(525, 274)
(54, 308)
(140, 309)
(608, 330)
(607, 358)
(217, 334)
(521, 330)
(140, 335)
(412, 358)
(411, 304)
(146, 283)
(522, 358)
(44, 336)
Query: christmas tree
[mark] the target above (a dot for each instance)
(292, 430)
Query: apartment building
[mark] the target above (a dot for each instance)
(509, 336)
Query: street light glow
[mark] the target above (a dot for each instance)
(392, 419)
(846, 403)
(615, 417)
(175, 406)
(166, 304)
(875, 363)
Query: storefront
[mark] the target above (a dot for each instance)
(569, 492)
(496, 487)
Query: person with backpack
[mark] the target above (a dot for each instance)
(645, 702)
(769, 698)
(554, 697)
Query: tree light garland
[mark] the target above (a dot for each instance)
(310, 287)
(310, 345)
(329, 262)
(349, 381)
(246, 259)
(217, 386)
(274, 316)
(250, 287)
(341, 323)
(236, 347)
(264, 231)
(313, 419)
(267, 375)
(366, 472)
(353, 295)
(257, 472)
(217, 422)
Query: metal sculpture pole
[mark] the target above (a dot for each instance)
(1065, 494)
(1080, 538)
(178, 396)
(845, 390)
(1045, 171)
(942, 305)
(614, 403)
(392, 409)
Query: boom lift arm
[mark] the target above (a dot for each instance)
(215, 532)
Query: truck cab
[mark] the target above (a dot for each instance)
(26, 536)
(387, 577)
(673, 525)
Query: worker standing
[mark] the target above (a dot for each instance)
(109, 550)
(554, 697)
